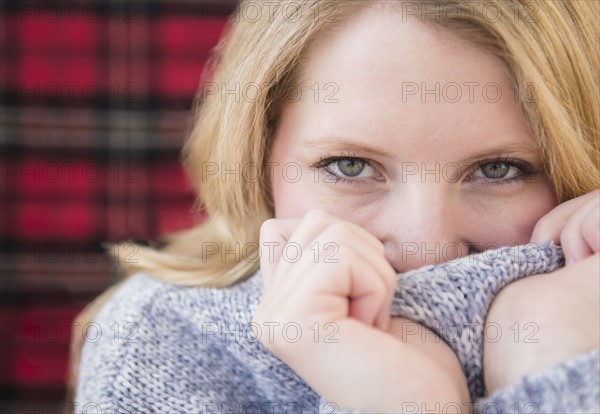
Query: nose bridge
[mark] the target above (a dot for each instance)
(426, 208)
(423, 228)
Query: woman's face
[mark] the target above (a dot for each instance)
(414, 134)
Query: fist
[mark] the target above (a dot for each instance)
(322, 270)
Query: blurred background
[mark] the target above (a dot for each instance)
(95, 101)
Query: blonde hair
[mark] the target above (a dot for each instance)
(550, 46)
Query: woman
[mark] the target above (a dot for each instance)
(422, 132)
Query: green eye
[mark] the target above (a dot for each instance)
(351, 167)
(503, 171)
(349, 170)
(495, 170)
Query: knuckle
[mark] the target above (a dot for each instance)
(317, 214)
(268, 227)
(543, 227)
(569, 237)
(379, 244)
(391, 277)
(591, 232)
(381, 287)
(340, 230)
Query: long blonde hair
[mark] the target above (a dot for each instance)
(549, 46)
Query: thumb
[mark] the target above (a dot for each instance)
(274, 234)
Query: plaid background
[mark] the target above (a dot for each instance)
(95, 102)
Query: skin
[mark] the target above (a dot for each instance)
(392, 201)
(391, 217)
(566, 325)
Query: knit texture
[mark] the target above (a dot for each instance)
(453, 299)
(160, 348)
(570, 387)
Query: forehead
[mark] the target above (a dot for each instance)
(379, 75)
(386, 47)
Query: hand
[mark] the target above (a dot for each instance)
(362, 365)
(559, 310)
(331, 271)
(574, 224)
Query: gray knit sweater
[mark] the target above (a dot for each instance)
(159, 348)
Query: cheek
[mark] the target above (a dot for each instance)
(511, 220)
(290, 197)
(293, 198)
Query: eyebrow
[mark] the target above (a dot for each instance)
(346, 144)
(504, 150)
(340, 143)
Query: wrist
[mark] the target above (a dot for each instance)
(394, 374)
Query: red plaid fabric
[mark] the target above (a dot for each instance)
(95, 100)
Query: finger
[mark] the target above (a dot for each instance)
(285, 241)
(304, 241)
(572, 238)
(319, 229)
(591, 231)
(369, 249)
(370, 279)
(362, 293)
(375, 270)
(292, 237)
(370, 298)
(317, 220)
(550, 226)
(382, 270)
(373, 252)
(274, 234)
